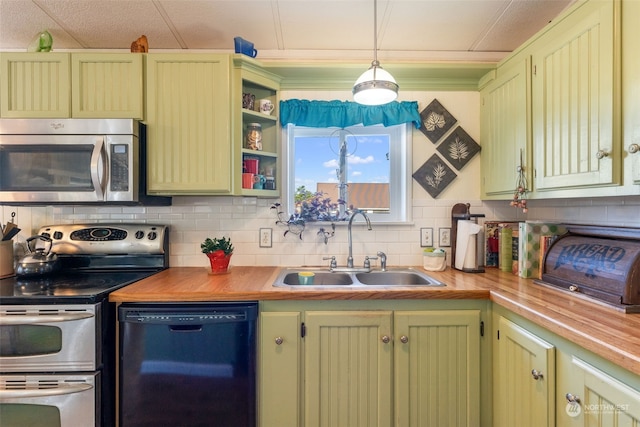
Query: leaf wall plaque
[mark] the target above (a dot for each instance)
(458, 148)
(434, 175)
(436, 121)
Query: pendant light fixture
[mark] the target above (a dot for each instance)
(376, 86)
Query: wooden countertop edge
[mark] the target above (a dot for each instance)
(602, 330)
(612, 350)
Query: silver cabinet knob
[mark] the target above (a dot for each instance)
(537, 375)
(385, 339)
(572, 398)
(279, 340)
(601, 154)
(404, 339)
(634, 148)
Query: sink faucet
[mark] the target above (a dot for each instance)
(366, 218)
(383, 260)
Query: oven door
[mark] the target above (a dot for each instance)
(53, 168)
(50, 338)
(49, 400)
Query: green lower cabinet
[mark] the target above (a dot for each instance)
(370, 368)
(524, 378)
(348, 367)
(591, 398)
(280, 369)
(573, 388)
(437, 368)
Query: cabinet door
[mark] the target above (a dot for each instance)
(189, 132)
(437, 368)
(576, 101)
(35, 85)
(505, 139)
(596, 399)
(348, 356)
(279, 383)
(631, 93)
(107, 85)
(524, 378)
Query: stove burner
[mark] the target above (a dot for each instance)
(71, 285)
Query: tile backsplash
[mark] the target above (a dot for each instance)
(192, 219)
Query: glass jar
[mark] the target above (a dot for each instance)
(253, 136)
(270, 183)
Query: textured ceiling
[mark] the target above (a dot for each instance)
(477, 30)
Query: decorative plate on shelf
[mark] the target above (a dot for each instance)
(458, 148)
(434, 175)
(436, 121)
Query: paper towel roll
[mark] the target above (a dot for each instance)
(466, 244)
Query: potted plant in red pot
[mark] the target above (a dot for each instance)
(219, 252)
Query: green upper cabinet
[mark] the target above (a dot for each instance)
(107, 85)
(631, 93)
(505, 138)
(251, 79)
(35, 85)
(524, 378)
(189, 124)
(575, 93)
(63, 85)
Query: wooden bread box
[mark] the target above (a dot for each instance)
(602, 263)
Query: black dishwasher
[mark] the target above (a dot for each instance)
(191, 364)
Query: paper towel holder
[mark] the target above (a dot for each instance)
(458, 212)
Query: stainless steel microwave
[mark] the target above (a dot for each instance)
(73, 161)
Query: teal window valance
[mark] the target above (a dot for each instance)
(341, 114)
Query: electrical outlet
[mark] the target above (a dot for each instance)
(426, 237)
(265, 237)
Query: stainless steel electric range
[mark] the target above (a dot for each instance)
(57, 332)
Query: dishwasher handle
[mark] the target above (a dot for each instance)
(186, 328)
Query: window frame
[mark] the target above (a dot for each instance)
(399, 173)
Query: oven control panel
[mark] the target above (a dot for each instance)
(106, 238)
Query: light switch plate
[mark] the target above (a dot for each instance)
(426, 237)
(265, 237)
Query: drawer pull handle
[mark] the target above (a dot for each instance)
(601, 154)
(634, 148)
(385, 339)
(537, 375)
(279, 340)
(404, 339)
(574, 288)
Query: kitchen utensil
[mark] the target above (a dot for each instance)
(10, 230)
(11, 234)
(38, 261)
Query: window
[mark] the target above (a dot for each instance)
(358, 167)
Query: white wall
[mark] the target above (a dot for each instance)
(192, 219)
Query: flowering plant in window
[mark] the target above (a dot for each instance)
(311, 207)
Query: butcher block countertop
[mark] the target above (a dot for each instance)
(605, 331)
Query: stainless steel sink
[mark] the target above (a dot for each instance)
(325, 278)
(382, 279)
(396, 278)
